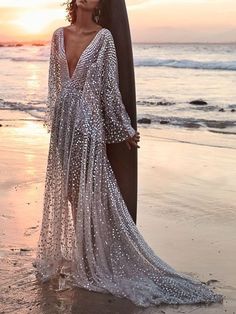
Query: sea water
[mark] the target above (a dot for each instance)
(167, 77)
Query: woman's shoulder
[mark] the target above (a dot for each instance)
(57, 30)
(107, 35)
(106, 31)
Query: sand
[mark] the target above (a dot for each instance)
(186, 212)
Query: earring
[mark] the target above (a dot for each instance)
(97, 16)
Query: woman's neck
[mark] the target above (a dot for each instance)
(84, 21)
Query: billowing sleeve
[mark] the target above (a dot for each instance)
(53, 84)
(116, 121)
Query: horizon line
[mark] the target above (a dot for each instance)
(133, 42)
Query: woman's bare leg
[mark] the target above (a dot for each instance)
(74, 210)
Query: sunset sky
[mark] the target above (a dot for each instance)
(150, 20)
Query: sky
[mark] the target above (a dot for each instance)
(150, 20)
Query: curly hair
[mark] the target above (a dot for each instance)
(71, 10)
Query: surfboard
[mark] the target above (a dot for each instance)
(123, 161)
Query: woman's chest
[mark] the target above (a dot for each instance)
(72, 67)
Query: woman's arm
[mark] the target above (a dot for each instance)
(53, 84)
(117, 123)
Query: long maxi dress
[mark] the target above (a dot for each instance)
(102, 249)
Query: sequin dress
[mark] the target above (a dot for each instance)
(101, 249)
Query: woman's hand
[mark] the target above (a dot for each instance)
(132, 141)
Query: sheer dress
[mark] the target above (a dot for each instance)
(100, 247)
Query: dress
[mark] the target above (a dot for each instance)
(103, 250)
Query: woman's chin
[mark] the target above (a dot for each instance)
(80, 5)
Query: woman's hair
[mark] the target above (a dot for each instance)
(71, 10)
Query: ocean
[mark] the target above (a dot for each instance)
(167, 76)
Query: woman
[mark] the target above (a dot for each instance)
(88, 238)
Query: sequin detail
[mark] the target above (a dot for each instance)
(87, 234)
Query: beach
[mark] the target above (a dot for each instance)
(186, 213)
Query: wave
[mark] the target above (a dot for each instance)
(26, 59)
(187, 122)
(37, 110)
(149, 103)
(22, 59)
(34, 109)
(28, 54)
(43, 56)
(186, 64)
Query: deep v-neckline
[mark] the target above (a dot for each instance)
(83, 52)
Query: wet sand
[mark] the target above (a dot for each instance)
(186, 212)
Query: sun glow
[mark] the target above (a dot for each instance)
(32, 22)
(150, 20)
